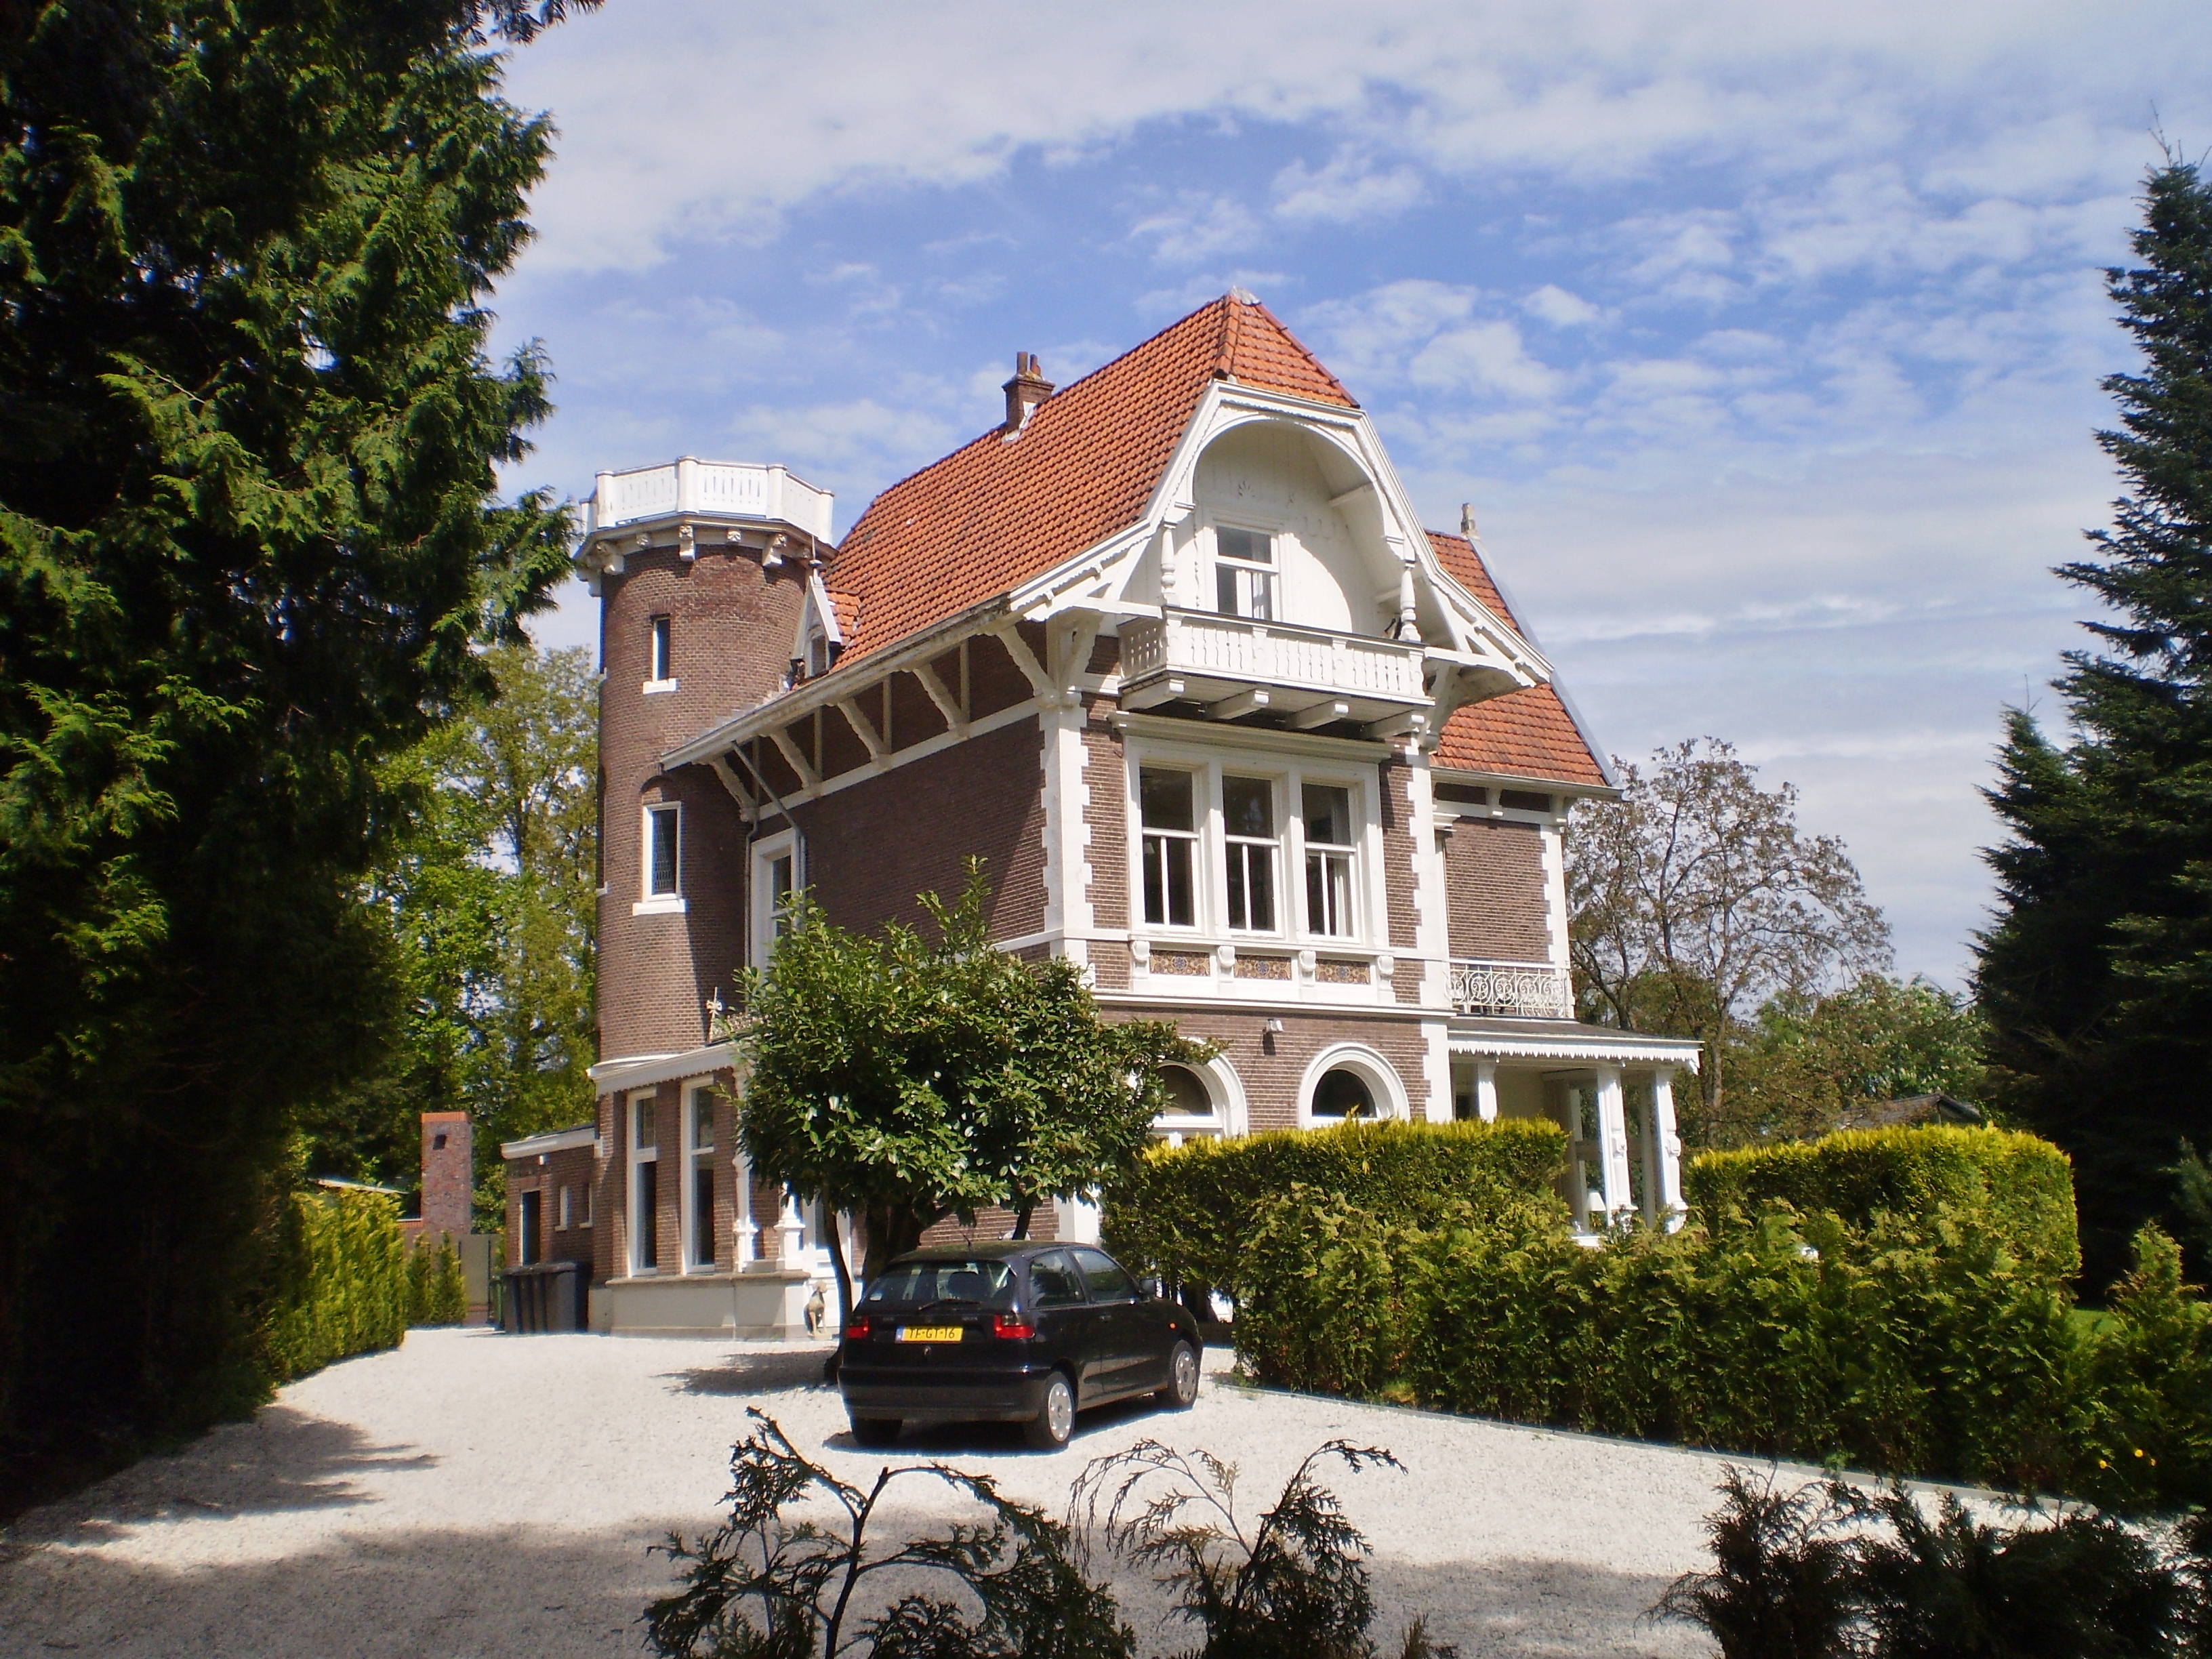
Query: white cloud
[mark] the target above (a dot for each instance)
(1554, 305)
(1486, 356)
(1195, 226)
(1351, 187)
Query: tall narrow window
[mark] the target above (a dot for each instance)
(779, 894)
(662, 869)
(1327, 819)
(702, 1177)
(532, 1220)
(1248, 819)
(567, 1212)
(1243, 574)
(645, 1186)
(663, 662)
(1164, 799)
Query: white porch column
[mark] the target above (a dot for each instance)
(1613, 1143)
(1485, 1091)
(1078, 1217)
(1669, 1147)
(747, 1248)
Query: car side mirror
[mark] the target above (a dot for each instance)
(1154, 1287)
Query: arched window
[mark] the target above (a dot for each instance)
(1191, 1109)
(1340, 1094)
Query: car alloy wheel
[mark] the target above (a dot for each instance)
(1052, 1426)
(1181, 1391)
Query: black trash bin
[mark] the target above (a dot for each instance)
(546, 1295)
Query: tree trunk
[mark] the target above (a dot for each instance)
(893, 1230)
(1022, 1220)
(844, 1273)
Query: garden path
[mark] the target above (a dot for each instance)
(471, 1493)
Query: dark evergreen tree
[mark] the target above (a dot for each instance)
(2096, 976)
(249, 548)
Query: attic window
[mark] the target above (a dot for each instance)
(1466, 794)
(1244, 573)
(1524, 801)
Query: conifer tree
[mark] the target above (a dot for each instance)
(249, 548)
(2096, 975)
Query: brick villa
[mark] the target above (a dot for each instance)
(1170, 650)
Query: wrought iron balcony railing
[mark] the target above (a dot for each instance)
(1520, 990)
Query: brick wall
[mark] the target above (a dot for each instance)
(730, 628)
(1271, 1065)
(1494, 883)
(1105, 775)
(872, 847)
(569, 1169)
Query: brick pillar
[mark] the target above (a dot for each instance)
(449, 1175)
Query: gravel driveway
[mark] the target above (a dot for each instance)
(478, 1494)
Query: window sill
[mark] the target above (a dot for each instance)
(658, 907)
(654, 688)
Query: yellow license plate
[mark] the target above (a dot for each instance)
(929, 1332)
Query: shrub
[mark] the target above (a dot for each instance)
(342, 1286)
(2018, 1185)
(1828, 1572)
(2147, 1374)
(1189, 1212)
(437, 1290)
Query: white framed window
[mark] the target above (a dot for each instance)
(1166, 807)
(698, 1198)
(1325, 821)
(1349, 1082)
(1250, 850)
(662, 866)
(568, 1209)
(645, 1182)
(775, 880)
(661, 658)
(1244, 573)
(1192, 1112)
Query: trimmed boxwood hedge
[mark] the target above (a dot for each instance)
(1189, 1212)
(2019, 1187)
(342, 1281)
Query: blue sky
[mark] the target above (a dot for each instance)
(1764, 340)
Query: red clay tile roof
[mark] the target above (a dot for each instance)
(1524, 734)
(997, 512)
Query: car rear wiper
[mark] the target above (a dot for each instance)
(952, 1302)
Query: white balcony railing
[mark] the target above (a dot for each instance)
(720, 488)
(1218, 655)
(1518, 990)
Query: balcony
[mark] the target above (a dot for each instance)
(1512, 990)
(717, 489)
(1233, 667)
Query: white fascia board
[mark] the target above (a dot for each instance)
(613, 1077)
(559, 1141)
(1519, 779)
(1576, 1047)
(839, 683)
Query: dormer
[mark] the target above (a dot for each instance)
(819, 639)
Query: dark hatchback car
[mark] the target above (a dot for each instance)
(1024, 1332)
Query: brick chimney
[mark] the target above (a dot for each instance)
(448, 1174)
(1025, 391)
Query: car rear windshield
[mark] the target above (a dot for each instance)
(917, 1284)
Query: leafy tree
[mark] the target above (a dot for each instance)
(903, 1080)
(2096, 975)
(249, 542)
(760, 1587)
(1695, 896)
(491, 897)
(1806, 1062)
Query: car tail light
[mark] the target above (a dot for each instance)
(1013, 1327)
(856, 1328)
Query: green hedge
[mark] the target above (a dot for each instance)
(1188, 1212)
(1915, 1346)
(342, 1281)
(2019, 1187)
(437, 1290)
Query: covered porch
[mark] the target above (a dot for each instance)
(1611, 1091)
